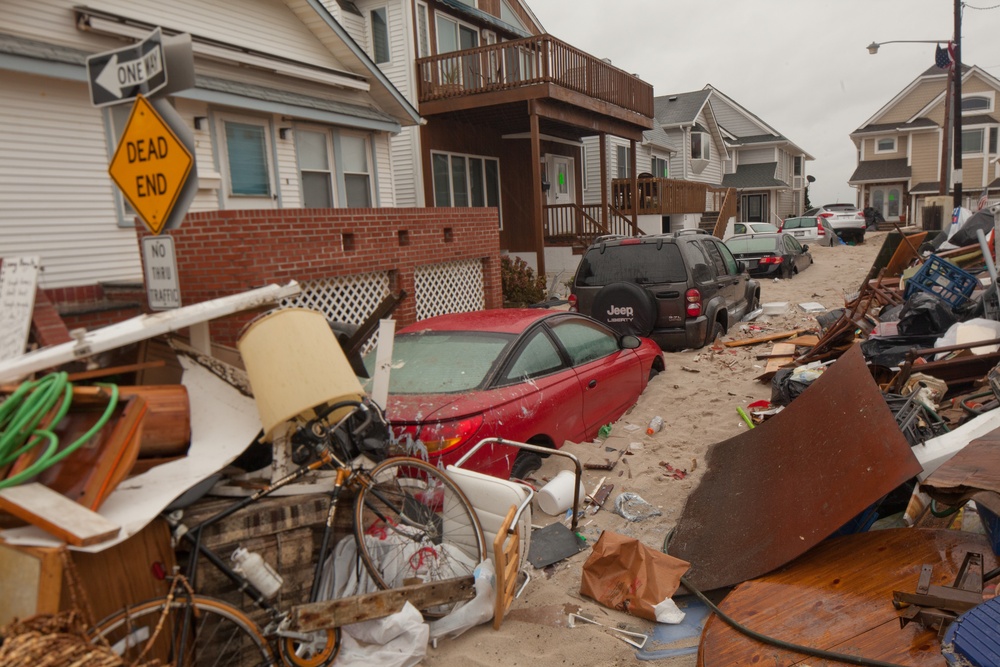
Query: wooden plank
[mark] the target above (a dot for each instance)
(765, 339)
(506, 558)
(781, 354)
(809, 340)
(56, 514)
(336, 613)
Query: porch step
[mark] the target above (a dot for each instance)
(708, 220)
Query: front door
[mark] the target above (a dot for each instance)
(886, 200)
(754, 208)
(562, 186)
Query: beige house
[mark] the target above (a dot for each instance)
(903, 150)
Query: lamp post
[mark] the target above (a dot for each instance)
(956, 96)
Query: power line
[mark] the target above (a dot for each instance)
(984, 9)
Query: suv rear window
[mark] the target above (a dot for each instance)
(642, 264)
(800, 223)
(752, 244)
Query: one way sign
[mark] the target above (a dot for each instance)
(123, 74)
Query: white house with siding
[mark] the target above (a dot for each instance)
(287, 111)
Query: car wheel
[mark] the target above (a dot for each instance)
(525, 463)
(653, 372)
(717, 331)
(625, 307)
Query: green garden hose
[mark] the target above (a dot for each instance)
(21, 413)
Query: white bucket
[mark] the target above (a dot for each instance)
(557, 496)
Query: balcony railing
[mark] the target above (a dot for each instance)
(661, 196)
(526, 62)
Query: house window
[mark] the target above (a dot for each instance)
(423, 35)
(357, 179)
(660, 168)
(977, 103)
(316, 170)
(465, 180)
(454, 36)
(624, 162)
(797, 165)
(972, 141)
(507, 15)
(246, 150)
(993, 140)
(119, 119)
(886, 145)
(700, 146)
(380, 35)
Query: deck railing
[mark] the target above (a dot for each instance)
(529, 61)
(573, 224)
(661, 196)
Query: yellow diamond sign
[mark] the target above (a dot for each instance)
(150, 165)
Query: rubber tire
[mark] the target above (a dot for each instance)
(717, 331)
(525, 463)
(624, 296)
(653, 372)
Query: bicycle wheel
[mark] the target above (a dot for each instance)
(195, 631)
(412, 523)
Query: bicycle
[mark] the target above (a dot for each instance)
(410, 519)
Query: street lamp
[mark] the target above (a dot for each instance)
(957, 95)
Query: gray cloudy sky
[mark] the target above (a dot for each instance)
(801, 65)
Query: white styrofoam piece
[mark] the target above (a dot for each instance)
(937, 450)
(775, 308)
(223, 424)
(812, 307)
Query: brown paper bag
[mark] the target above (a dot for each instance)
(626, 575)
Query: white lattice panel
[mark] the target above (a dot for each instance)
(348, 299)
(452, 287)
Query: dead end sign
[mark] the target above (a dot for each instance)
(151, 165)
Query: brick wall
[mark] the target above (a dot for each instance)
(226, 252)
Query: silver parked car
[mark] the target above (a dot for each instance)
(811, 229)
(846, 219)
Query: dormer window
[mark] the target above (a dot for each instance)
(701, 146)
(977, 104)
(885, 145)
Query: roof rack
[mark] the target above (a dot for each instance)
(680, 232)
(609, 237)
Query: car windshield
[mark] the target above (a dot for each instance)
(441, 362)
(763, 228)
(751, 244)
(642, 263)
(841, 208)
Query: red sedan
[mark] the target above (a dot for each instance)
(529, 375)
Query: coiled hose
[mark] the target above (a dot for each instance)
(22, 413)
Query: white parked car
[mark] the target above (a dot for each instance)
(738, 228)
(811, 229)
(846, 219)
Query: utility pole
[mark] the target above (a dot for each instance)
(957, 109)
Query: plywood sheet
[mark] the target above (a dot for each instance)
(56, 514)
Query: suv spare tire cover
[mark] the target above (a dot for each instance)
(625, 307)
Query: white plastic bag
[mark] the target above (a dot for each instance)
(476, 611)
(399, 640)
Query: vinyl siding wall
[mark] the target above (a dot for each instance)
(913, 102)
(755, 155)
(925, 157)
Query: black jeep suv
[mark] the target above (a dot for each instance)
(681, 289)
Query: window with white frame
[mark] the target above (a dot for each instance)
(119, 114)
(315, 168)
(977, 104)
(354, 156)
(972, 141)
(624, 162)
(454, 36)
(885, 145)
(701, 146)
(246, 153)
(660, 167)
(993, 140)
(507, 15)
(380, 35)
(423, 32)
(465, 180)
(797, 165)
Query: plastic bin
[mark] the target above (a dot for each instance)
(991, 524)
(944, 280)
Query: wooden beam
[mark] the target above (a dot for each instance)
(764, 339)
(57, 515)
(634, 185)
(336, 613)
(604, 178)
(537, 206)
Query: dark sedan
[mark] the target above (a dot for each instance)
(770, 255)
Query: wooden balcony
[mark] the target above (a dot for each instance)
(665, 196)
(515, 66)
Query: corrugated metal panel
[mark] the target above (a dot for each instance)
(56, 199)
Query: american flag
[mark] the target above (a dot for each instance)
(984, 199)
(944, 57)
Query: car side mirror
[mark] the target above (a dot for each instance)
(743, 265)
(805, 247)
(630, 342)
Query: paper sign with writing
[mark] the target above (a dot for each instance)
(18, 277)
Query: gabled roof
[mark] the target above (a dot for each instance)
(680, 109)
(931, 73)
(754, 176)
(880, 170)
(657, 137)
(919, 123)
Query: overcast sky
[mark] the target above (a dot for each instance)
(800, 65)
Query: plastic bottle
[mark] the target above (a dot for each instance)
(261, 575)
(655, 425)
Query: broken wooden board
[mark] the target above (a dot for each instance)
(807, 340)
(56, 514)
(838, 597)
(737, 524)
(781, 354)
(765, 339)
(356, 608)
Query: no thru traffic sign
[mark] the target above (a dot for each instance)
(151, 165)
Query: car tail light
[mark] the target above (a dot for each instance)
(820, 230)
(693, 299)
(770, 260)
(572, 303)
(825, 215)
(441, 437)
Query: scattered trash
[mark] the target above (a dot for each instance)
(633, 508)
(604, 431)
(812, 307)
(672, 472)
(655, 425)
(746, 418)
(689, 369)
(636, 639)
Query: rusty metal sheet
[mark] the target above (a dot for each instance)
(772, 493)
